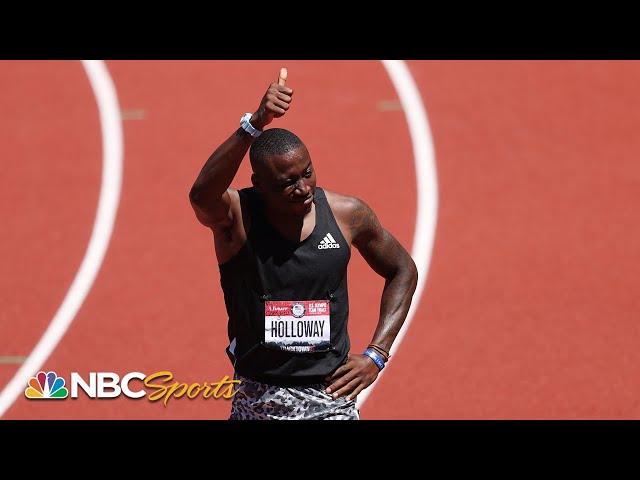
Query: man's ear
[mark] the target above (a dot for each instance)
(255, 180)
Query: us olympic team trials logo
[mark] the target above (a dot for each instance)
(46, 386)
(297, 309)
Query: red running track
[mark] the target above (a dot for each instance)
(531, 301)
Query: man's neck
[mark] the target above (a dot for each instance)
(291, 225)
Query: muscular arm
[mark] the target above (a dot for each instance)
(209, 197)
(389, 259)
(209, 194)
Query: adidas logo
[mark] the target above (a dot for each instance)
(328, 242)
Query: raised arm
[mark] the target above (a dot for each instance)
(209, 195)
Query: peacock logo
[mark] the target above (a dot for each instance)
(46, 386)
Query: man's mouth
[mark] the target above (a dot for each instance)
(304, 201)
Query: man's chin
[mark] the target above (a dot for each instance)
(301, 208)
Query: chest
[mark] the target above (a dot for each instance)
(322, 257)
(295, 234)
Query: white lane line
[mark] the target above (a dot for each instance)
(427, 188)
(112, 153)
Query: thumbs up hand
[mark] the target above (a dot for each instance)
(274, 103)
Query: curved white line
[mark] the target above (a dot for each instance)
(111, 126)
(427, 188)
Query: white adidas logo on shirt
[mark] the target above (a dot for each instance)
(328, 242)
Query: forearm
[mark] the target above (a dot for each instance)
(218, 172)
(394, 304)
(220, 169)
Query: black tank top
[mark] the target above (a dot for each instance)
(277, 293)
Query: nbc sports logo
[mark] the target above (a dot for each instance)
(46, 385)
(328, 242)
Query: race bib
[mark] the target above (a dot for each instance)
(297, 326)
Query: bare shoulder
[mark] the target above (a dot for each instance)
(239, 212)
(340, 204)
(355, 217)
(229, 236)
(235, 199)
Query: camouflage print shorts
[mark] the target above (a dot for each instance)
(259, 401)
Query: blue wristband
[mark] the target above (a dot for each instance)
(375, 356)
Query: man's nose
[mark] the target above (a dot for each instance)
(302, 187)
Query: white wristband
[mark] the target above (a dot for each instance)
(247, 127)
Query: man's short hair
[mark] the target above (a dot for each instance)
(275, 141)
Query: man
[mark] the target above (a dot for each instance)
(283, 247)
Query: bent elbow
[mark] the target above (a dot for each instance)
(195, 195)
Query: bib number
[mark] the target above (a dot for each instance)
(297, 326)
